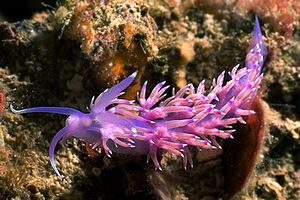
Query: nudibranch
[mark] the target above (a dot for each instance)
(191, 117)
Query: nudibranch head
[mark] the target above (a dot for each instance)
(97, 127)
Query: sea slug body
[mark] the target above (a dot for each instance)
(190, 117)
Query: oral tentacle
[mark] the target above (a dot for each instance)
(52, 110)
(58, 136)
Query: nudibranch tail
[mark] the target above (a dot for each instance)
(257, 50)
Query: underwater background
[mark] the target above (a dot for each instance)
(62, 53)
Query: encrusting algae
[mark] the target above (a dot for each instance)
(117, 37)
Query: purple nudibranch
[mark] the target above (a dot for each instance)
(190, 117)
